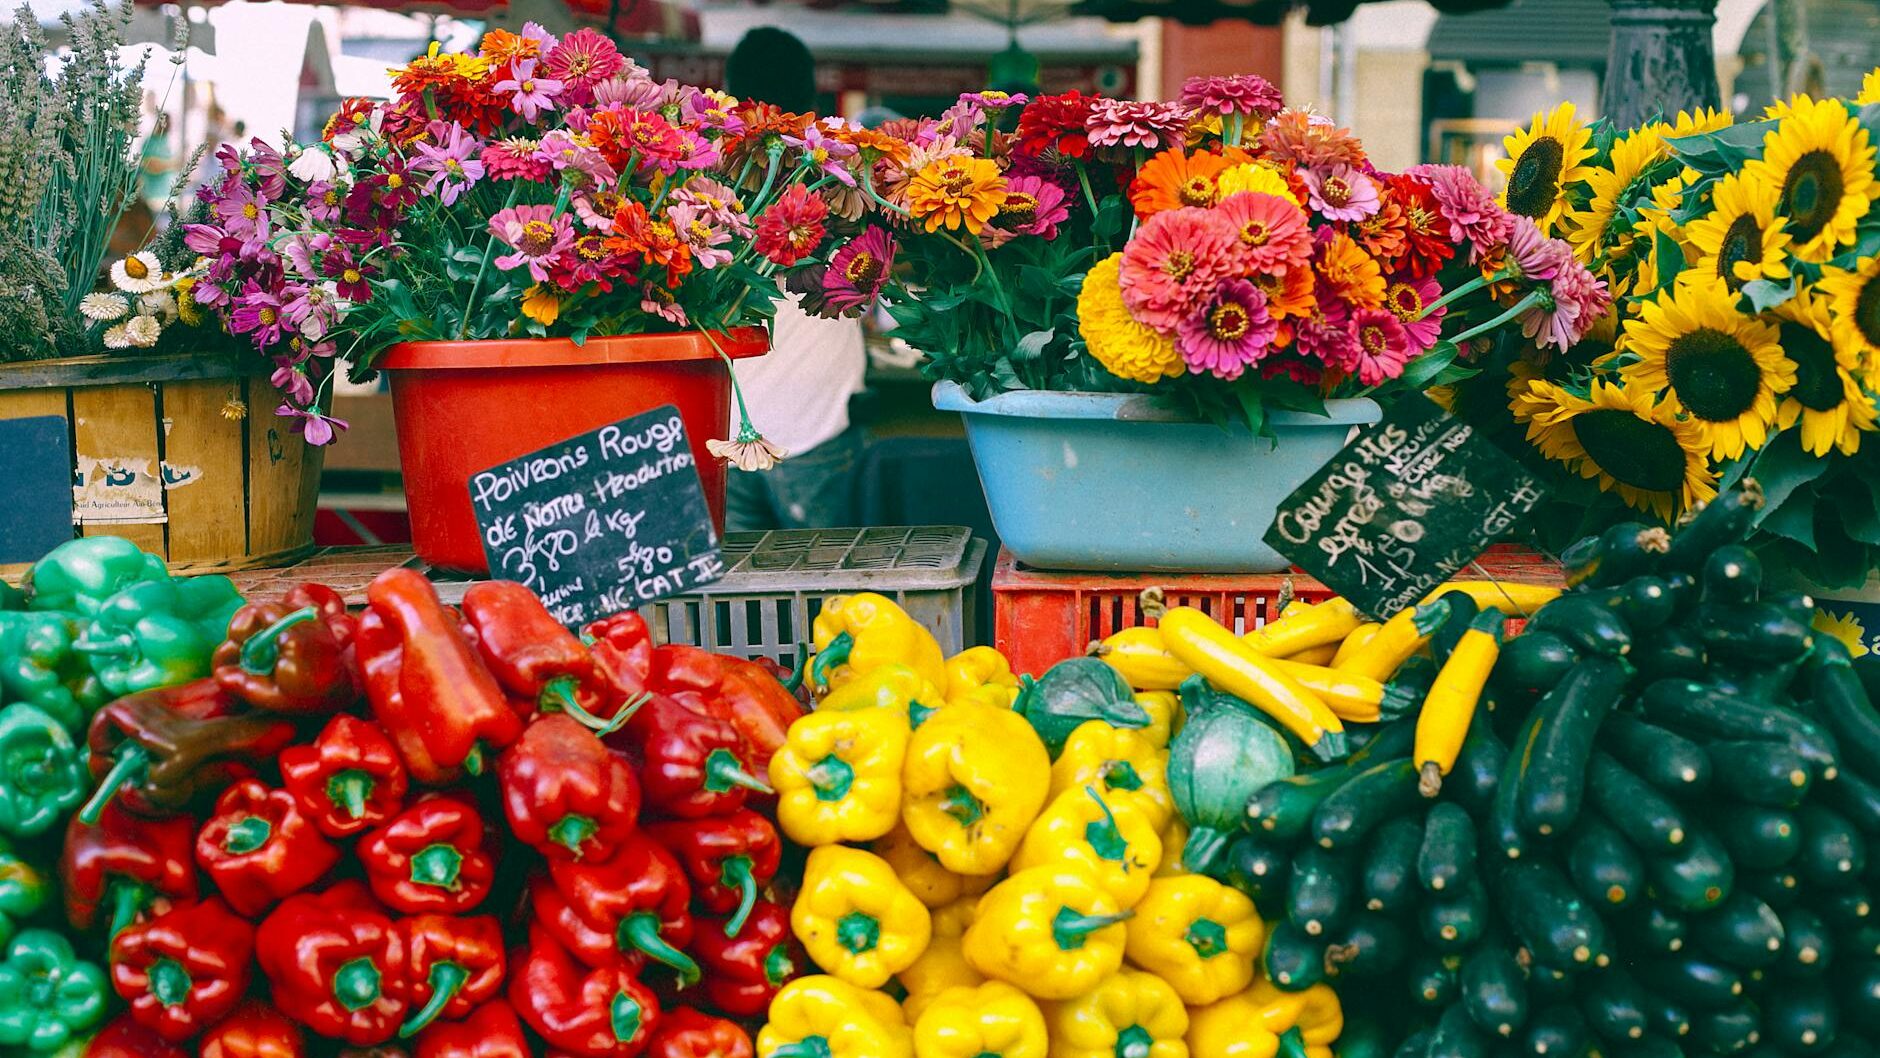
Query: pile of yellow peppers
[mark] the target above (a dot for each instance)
(1018, 906)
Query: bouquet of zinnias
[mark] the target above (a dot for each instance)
(540, 187)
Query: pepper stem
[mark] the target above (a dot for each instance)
(963, 806)
(558, 693)
(1207, 937)
(351, 790)
(1134, 1042)
(807, 1047)
(1103, 836)
(858, 933)
(169, 982)
(132, 763)
(247, 834)
(830, 658)
(1292, 1044)
(446, 979)
(127, 899)
(1070, 929)
(356, 985)
(1121, 775)
(573, 831)
(794, 681)
(723, 770)
(640, 931)
(737, 871)
(473, 762)
(436, 866)
(625, 1016)
(778, 966)
(262, 651)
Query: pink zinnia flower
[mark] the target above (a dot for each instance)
(561, 151)
(535, 233)
(857, 271)
(825, 152)
(792, 227)
(1575, 301)
(582, 60)
(658, 301)
(1127, 123)
(1533, 255)
(717, 201)
(1227, 331)
(1383, 348)
(452, 163)
(1033, 206)
(991, 100)
(1328, 341)
(1343, 193)
(1248, 94)
(1177, 257)
(1272, 231)
(596, 208)
(694, 152)
(705, 239)
(528, 94)
(1406, 297)
(632, 90)
(1470, 210)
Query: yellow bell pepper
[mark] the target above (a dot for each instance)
(838, 775)
(943, 965)
(822, 1017)
(857, 633)
(992, 1019)
(1174, 840)
(1314, 626)
(1165, 716)
(1263, 1021)
(1396, 640)
(981, 674)
(1449, 707)
(856, 919)
(890, 686)
(1053, 931)
(921, 872)
(1142, 659)
(1122, 763)
(1233, 665)
(975, 778)
(1198, 935)
(1130, 1015)
(1357, 639)
(1110, 838)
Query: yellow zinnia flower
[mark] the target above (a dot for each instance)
(1258, 178)
(1855, 297)
(1713, 363)
(956, 192)
(1125, 348)
(1822, 159)
(1543, 160)
(1621, 438)
(540, 304)
(1741, 238)
(1826, 399)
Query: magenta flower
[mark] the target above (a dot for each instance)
(857, 271)
(1406, 297)
(1328, 341)
(1383, 348)
(704, 239)
(210, 240)
(393, 187)
(528, 94)
(995, 101)
(244, 213)
(1533, 255)
(1342, 193)
(302, 249)
(1033, 206)
(1575, 301)
(1248, 94)
(323, 201)
(580, 61)
(310, 309)
(266, 163)
(1128, 123)
(515, 158)
(1177, 258)
(291, 380)
(1470, 210)
(825, 152)
(453, 164)
(562, 152)
(257, 313)
(1227, 331)
(535, 234)
(316, 426)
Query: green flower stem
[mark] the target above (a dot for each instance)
(489, 251)
(1535, 297)
(1465, 290)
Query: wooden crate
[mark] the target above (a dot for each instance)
(181, 454)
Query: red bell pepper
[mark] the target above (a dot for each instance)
(639, 897)
(160, 751)
(744, 972)
(729, 859)
(125, 864)
(491, 1031)
(453, 964)
(334, 962)
(589, 1012)
(566, 794)
(739, 692)
(592, 947)
(531, 654)
(255, 1030)
(350, 779)
(123, 1037)
(294, 655)
(185, 969)
(429, 691)
(432, 858)
(691, 765)
(257, 848)
(622, 648)
(689, 1033)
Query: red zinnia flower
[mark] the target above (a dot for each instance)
(1054, 123)
(792, 227)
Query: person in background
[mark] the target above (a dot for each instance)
(798, 395)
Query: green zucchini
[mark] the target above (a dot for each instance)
(1732, 575)
(1458, 1036)
(1433, 979)
(1866, 942)
(1415, 1045)
(1848, 909)
(1849, 1045)
(1361, 1038)
(1779, 888)
(1546, 984)
(1807, 945)
(1319, 895)
(1553, 772)
(1672, 652)
(1800, 1020)
(1620, 553)
(1726, 519)
(1667, 760)
(1532, 662)
(1760, 838)
(1387, 870)
(1666, 1018)
(1742, 931)
(1833, 852)
(1856, 798)
(1414, 677)
(1685, 593)
(1661, 929)
(1696, 877)
(1293, 959)
(1605, 867)
(1556, 1031)
(1477, 774)
(1447, 856)
(1753, 634)
(1651, 1045)
(1698, 982)
(1504, 812)
(1494, 989)
(1586, 623)
(1646, 817)
(1614, 1005)
(1283, 810)
(1258, 867)
(1708, 712)
(1860, 995)
(1645, 603)
(1455, 921)
(1369, 945)
(1841, 701)
(1558, 927)
(1367, 799)
(1727, 1030)
(1761, 772)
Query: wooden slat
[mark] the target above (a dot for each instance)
(110, 370)
(205, 474)
(283, 479)
(120, 423)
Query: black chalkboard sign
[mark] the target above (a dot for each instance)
(37, 515)
(1402, 508)
(603, 522)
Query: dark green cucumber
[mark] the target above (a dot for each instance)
(1652, 1045)
(1646, 817)
(1258, 867)
(1685, 592)
(1753, 634)
(1387, 869)
(1447, 856)
(1558, 927)
(1860, 995)
(1697, 876)
(1833, 852)
(1553, 773)
(1283, 810)
(1586, 623)
(1477, 774)
(1698, 982)
(1660, 930)
(1504, 830)
(1866, 943)
(1850, 1045)
(1319, 896)
(1742, 931)
(1732, 575)
(1614, 1005)
(1779, 888)
(1707, 712)
(1759, 838)
(1533, 662)
(1849, 908)
(1727, 1030)
(1494, 989)
(1666, 1018)
(1415, 1045)
(1369, 945)
(1644, 602)
(1414, 677)
(1605, 867)
(1293, 959)
(1455, 921)
(1548, 985)
(1462, 611)
(1841, 701)
(1433, 979)
(1667, 760)
(1360, 1038)
(1807, 944)
(1856, 798)
(1458, 1036)
(1761, 772)
(1556, 1031)
(1620, 553)
(1366, 800)
(1800, 1020)
(1726, 519)
(1672, 652)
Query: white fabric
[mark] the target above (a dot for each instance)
(799, 392)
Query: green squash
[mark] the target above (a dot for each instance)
(1222, 756)
(1074, 692)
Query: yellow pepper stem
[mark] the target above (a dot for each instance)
(963, 806)
(1103, 835)
(1207, 937)
(807, 1047)
(830, 658)
(1134, 1042)
(1292, 1044)
(1120, 775)
(858, 932)
(1070, 929)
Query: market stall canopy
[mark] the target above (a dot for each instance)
(627, 18)
(1264, 12)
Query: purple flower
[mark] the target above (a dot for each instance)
(993, 100)
(324, 199)
(1342, 193)
(316, 426)
(563, 152)
(528, 94)
(302, 248)
(454, 164)
(1533, 255)
(244, 213)
(1227, 331)
(717, 201)
(1248, 94)
(210, 240)
(825, 152)
(1575, 301)
(310, 309)
(291, 380)
(536, 235)
(856, 271)
(257, 312)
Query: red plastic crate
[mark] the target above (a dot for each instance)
(1041, 618)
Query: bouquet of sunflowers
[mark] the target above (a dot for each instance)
(1222, 248)
(1745, 335)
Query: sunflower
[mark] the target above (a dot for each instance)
(1855, 296)
(1543, 160)
(1845, 627)
(1822, 160)
(1829, 403)
(1612, 185)
(1869, 89)
(1695, 122)
(1741, 238)
(1124, 347)
(1623, 439)
(1722, 368)
(1173, 179)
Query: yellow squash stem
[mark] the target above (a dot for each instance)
(1398, 638)
(1449, 707)
(1231, 665)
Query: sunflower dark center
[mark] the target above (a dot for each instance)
(1867, 311)
(1743, 242)
(1712, 374)
(1817, 376)
(1811, 194)
(1633, 451)
(1535, 183)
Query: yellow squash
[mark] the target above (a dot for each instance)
(1398, 638)
(1513, 597)
(1231, 665)
(1139, 656)
(1449, 706)
(1356, 640)
(1359, 699)
(1314, 626)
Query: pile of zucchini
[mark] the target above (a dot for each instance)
(1654, 840)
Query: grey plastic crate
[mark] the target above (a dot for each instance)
(778, 581)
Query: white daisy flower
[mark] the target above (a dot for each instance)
(117, 337)
(101, 307)
(313, 163)
(143, 331)
(159, 303)
(140, 273)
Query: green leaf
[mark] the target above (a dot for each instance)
(1252, 407)
(1765, 294)
(1113, 214)
(1032, 345)
(1794, 519)
(1781, 468)
(1670, 258)
(1420, 371)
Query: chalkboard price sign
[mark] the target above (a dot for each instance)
(603, 522)
(1402, 508)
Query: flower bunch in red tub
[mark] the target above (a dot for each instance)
(469, 830)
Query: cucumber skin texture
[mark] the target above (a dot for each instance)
(1476, 777)
(1614, 1006)
(1318, 895)
(1759, 838)
(1292, 960)
(1447, 856)
(1663, 930)
(1742, 931)
(1457, 1035)
(1604, 865)
(1693, 708)
(1259, 869)
(1548, 915)
(1754, 633)
(1585, 623)
(1860, 995)
(1697, 982)
(1807, 945)
(1660, 756)
(1646, 817)
(1844, 909)
(1374, 795)
(1456, 921)
(1729, 1030)
(1283, 809)
(1433, 980)
(1387, 870)
(1533, 662)
(1553, 776)
(1723, 520)
(1558, 1031)
(1761, 772)
(1833, 852)
(1371, 945)
(1857, 799)
(1732, 575)
(1800, 1020)
(1697, 877)
(1494, 990)
(1842, 703)
(1504, 813)
(1673, 652)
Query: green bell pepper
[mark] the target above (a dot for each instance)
(41, 777)
(48, 995)
(23, 891)
(39, 665)
(159, 633)
(81, 574)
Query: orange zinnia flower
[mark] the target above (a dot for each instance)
(956, 192)
(1351, 273)
(1386, 233)
(1173, 179)
(1289, 293)
(502, 47)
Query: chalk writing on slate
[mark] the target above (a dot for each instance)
(1403, 507)
(37, 515)
(603, 522)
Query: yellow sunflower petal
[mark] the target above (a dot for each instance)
(1710, 362)
(1543, 160)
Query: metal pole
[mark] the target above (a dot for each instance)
(1662, 59)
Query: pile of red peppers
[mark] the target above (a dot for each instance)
(437, 833)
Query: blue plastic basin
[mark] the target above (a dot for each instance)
(1127, 483)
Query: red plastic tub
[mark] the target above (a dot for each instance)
(463, 407)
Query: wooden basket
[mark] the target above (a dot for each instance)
(201, 471)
